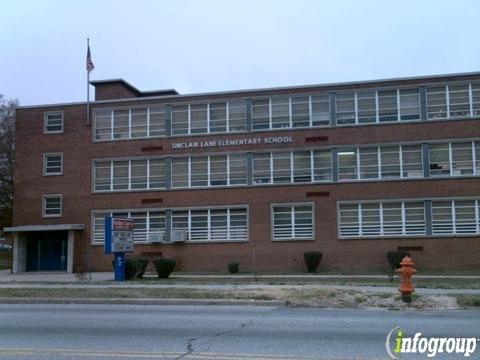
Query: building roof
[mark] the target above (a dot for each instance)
(173, 94)
(133, 88)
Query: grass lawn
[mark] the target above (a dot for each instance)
(293, 297)
(437, 283)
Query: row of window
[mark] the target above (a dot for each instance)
(354, 107)
(303, 166)
(408, 218)
(296, 221)
(290, 222)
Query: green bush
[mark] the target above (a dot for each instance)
(233, 267)
(142, 267)
(312, 260)
(134, 267)
(164, 267)
(394, 258)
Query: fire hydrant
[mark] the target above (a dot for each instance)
(406, 272)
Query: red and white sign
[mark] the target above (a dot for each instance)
(122, 224)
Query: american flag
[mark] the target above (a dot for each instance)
(90, 65)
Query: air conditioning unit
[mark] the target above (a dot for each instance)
(157, 238)
(177, 236)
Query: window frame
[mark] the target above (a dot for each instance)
(45, 122)
(45, 164)
(44, 203)
(292, 206)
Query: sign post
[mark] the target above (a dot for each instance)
(118, 240)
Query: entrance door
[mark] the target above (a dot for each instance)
(47, 251)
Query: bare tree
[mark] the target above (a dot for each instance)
(7, 152)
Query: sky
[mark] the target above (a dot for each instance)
(197, 46)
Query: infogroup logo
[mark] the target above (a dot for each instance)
(397, 343)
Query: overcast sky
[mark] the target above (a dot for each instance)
(202, 46)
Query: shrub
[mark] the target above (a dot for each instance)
(134, 267)
(233, 267)
(142, 267)
(394, 258)
(312, 260)
(164, 267)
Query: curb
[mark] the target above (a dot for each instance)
(133, 301)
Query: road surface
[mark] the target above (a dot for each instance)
(214, 332)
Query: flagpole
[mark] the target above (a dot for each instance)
(88, 88)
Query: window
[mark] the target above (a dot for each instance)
(366, 107)
(157, 121)
(459, 100)
(454, 159)
(129, 123)
(451, 217)
(219, 170)
(120, 175)
(145, 224)
(202, 171)
(180, 120)
(53, 122)
(409, 104)
(260, 114)
(412, 163)
(219, 224)
(139, 122)
(387, 106)
(121, 124)
(138, 174)
(280, 112)
(52, 205)
(237, 120)
(281, 167)
(218, 117)
(180, 172)
(390, 162)
(103, 124)
(439, 160)
(437, 102)
(199, 171)
(322, 165)
(292, 222)
(238, 169)
(262, 168)
(368, 163)
(300, 111)
(198, 119)
(53, 164)
(302, 167)
(475, 99)
(135, 174)
(103, 175)
(347, 164)
(376, 219)
(346, 108)
(320, 110)
(462, 159)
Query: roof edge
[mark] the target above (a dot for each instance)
(283, 88)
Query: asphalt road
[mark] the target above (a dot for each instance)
(214, 332)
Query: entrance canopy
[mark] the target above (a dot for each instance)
(25, 228)
(43, 247)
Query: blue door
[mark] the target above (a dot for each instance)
(47, 251)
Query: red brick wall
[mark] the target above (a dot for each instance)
(78, 200)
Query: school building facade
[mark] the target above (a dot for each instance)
(352, 170)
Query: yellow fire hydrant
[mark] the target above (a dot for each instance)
(406, 272)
